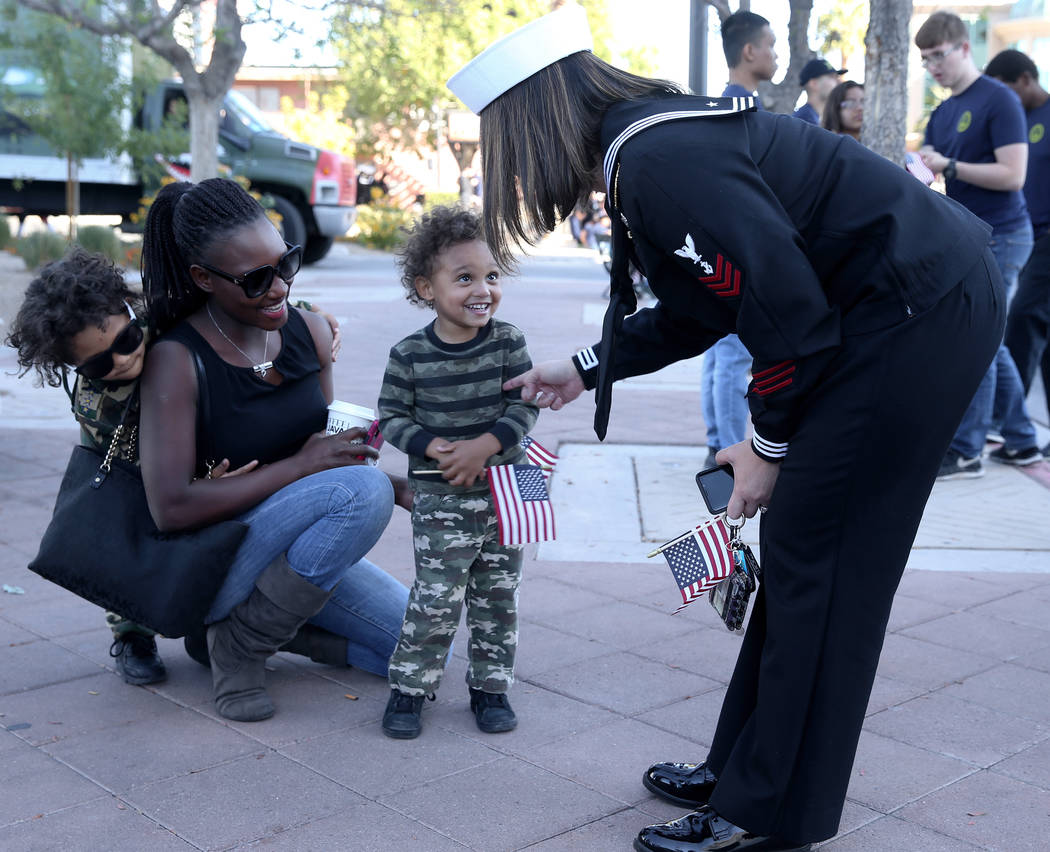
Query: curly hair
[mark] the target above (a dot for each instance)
(433, 233)
(67, 296)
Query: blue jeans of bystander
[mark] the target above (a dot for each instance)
(723, 392)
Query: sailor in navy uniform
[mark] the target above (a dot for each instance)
(872, 308)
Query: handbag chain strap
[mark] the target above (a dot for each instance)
(130, 442)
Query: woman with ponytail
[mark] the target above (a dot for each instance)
(216, 277)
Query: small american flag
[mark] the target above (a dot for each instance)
(914, 164)
(539, 455)
(700, 559)
(523, 507)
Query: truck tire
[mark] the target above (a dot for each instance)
(316, 247)
(293, 228)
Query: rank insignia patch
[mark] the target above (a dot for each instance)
(724, 281)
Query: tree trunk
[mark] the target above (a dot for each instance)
(886, 79)
(204, 133)
(72, 195)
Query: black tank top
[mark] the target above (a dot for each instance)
(250, 419)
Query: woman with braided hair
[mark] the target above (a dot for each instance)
(216, 277)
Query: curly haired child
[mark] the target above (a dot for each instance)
(442, 403)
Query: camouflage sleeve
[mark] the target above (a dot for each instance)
(98, 407)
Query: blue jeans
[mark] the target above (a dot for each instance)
(326, 523)
(723, 392)
(1000, 396)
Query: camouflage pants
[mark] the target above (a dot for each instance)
(458, 557)
(120, 625)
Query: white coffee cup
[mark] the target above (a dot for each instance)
(346, 415)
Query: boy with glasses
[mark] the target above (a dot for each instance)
(977, 140)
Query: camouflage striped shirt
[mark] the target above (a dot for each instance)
(433, 389)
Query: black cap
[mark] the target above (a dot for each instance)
(817, 68)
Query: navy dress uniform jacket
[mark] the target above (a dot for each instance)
(786, 234)
(872, 308)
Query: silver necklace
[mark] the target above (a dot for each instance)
(262, 368)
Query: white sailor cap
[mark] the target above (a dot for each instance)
(516, 57)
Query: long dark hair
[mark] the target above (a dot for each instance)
(184, 222)
(832, 118)
(540, 146)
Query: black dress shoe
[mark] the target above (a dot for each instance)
(705, 830)
(137, 659)
(689, 784)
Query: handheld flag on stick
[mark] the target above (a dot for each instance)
(539, 455)
(523, 507)
(699, 559)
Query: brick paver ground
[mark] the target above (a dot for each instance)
(955, 753)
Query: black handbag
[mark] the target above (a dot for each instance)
(103, 545)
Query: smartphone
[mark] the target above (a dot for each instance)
(716, 487)
(373, 438)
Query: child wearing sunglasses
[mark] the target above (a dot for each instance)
(443, 404)
(78, 313)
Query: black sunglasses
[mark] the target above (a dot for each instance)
(256, 282)
(129, 339)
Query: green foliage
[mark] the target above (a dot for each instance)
(380, 224)
(842, 28)
(102, 240)
(439, 199)
(77, 110)
(398, 55)
(5, 232)
(40, 247)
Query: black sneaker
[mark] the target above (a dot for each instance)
(492, 711)
(137, 659)
(955, 466)
(401, 719)
(1020, 458)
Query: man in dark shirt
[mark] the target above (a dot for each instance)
(977, 140)
(818, 78)
(747, 41)
(1028, 323)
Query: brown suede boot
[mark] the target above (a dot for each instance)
(240, 644)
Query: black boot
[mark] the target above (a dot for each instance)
(196, 644)
(705, 830)
(689, 784)
(240, 644)
(137, 659)
(320, 645)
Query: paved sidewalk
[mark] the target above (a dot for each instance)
(955, 753)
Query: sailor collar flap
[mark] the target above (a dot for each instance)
(698, 107)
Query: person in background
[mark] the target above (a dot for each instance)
(1028, 321)
(844, 110)
(818, 78)
(977, 140)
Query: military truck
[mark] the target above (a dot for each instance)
(313, 190)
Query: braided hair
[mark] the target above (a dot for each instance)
(66, 297)
(184, 222)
